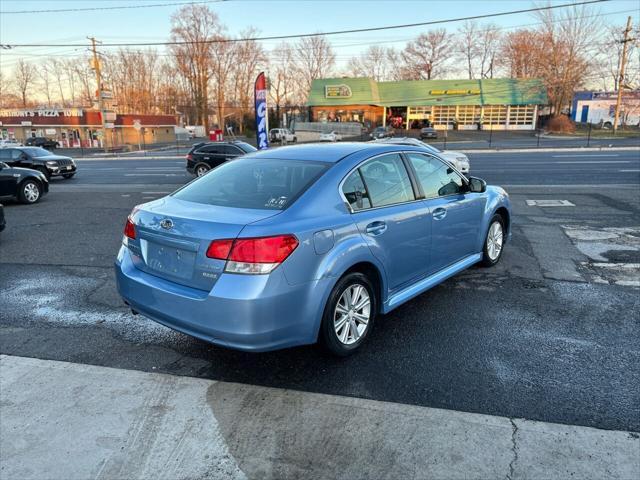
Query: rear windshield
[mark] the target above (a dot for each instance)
(267, 184)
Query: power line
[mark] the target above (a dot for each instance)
(120, 7)
(304, 35)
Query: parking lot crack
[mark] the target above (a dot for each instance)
(514, 449)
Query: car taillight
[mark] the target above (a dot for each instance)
(253, 255)
(130, 229)
(189, 156)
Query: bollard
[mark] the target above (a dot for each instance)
(589, 135)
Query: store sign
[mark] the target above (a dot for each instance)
(337, 91)
(43, 112)
(26, 124)
(455, 92)
(49, 131)
(109, 125)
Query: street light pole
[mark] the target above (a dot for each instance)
(96, 67)
(623, 61)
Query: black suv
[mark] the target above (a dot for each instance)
(204, 156)
(26, 185)
(39, 159)
(43, 142)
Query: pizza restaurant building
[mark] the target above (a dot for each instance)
(77, 127)
(491, 104)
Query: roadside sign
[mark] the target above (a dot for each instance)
(137, 125)
(109, 125)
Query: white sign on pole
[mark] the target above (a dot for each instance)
(137, 125)
(109, 125)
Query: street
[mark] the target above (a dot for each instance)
(550, 334)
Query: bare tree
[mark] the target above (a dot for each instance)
(467, 48)
(281, 81)
(372, 63)
(197, 25)
(24, 78)
(57, 69)
(610, 55)
(487, 48)
(45, 84)
(426, 56)
(313, 58)
(250, 57)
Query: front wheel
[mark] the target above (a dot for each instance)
(349, 314)
(494, 242)
(30, 192)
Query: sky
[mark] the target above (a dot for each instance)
(269, 17)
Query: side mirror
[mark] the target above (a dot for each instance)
(477, 185)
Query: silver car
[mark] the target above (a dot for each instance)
(458, 159)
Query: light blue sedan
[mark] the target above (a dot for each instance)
(293, 245)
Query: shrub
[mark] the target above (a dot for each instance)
(561, 124)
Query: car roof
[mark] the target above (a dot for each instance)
(322, 152)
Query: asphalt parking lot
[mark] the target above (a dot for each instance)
(550, 334)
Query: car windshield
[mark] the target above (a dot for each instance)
(266, 184)
(38, 152)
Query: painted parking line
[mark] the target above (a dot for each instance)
(632, 170)
(550, 203)
(587, 155)
(153, 175)
(595, 161)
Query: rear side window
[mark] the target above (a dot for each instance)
(355, 192)
(269, 184)
(231, 150)
(210, 149)
(387, 181)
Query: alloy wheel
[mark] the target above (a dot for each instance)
(352, 314)
(494, 240)
(31, 192)
(201, 170)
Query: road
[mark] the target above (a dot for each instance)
(550, 334)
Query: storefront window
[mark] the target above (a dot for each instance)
(468, 114)
(444, 114)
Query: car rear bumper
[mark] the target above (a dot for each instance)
(246, 312)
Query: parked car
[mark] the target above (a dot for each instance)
(3, 222)
(382, 132)
(42, 142)
(458, 159)
(282, 135)
(428, 132)
(330, 137)
(289, 246)
(27, 185)
(209, 155)
(50, 164)
(9, 142)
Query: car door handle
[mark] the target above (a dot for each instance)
(439, 213)
(376, 228)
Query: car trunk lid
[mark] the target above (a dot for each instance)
(172, 237)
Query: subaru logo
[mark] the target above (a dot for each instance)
(166, 223)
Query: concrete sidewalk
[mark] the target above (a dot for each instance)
(69, 421)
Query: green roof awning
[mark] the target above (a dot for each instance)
(365, 91)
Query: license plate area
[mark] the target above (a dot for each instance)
(171, 261)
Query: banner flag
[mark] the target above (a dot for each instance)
(261, 112)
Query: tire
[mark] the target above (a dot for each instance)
(201, 169)
(341, 340)
(67, 176)
(491, 256)
(30, 191)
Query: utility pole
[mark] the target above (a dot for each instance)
(623, 61)
(96, 67)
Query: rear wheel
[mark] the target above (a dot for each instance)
(349, 314)
(494, 242)
(30, 191)
(201, 169)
